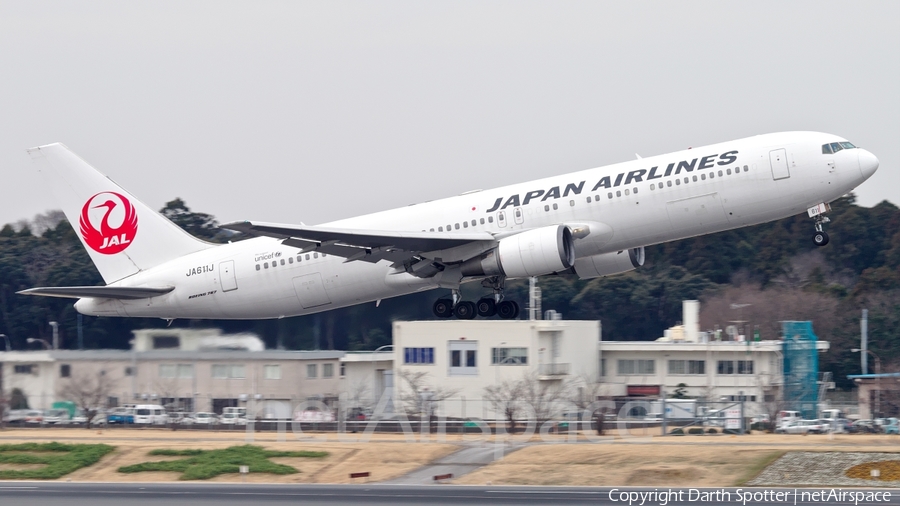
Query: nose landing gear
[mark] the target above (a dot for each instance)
(820, 238)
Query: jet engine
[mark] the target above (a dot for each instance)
(531, 253)
(607, 264)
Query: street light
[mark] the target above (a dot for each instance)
(374, 372)
(877, 373)
(42, 341)
(8, 347)
(55, 335)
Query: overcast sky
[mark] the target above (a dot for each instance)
(315, 111)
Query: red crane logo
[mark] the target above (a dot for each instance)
(108, 240)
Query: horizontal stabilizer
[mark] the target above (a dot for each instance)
(102, 292)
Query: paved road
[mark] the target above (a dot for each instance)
(168, 494)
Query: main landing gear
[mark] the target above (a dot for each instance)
(486, 307)
(820, 238)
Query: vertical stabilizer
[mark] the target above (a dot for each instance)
(122, 235)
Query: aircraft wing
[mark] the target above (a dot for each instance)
(103, 292)
(371, 245)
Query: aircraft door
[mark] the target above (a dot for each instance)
(779, 163)
(310, 290)
(501, 218)
(226, 276)
(518, 216)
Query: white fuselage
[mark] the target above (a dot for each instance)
(729, 185)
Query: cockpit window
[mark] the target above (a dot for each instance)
(826, 149)
(834, 147)
(847, 145)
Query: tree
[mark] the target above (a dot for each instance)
(418, 397)
(89, 391)
(542, 396)
(505, 398)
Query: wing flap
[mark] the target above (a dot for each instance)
(385, 240)
(102, 292)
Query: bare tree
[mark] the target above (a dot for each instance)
(89, 391)
(543, 396)
(420, 398)
(506, 398)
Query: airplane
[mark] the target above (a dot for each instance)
(591, 223)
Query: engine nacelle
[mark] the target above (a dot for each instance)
(531, 253)
(607, 264)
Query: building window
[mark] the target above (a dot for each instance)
(602, 367)
(687, 367)
(463, 358)
(272, 372)
(745, 367)
(418, 355)
(166, 342)
(167, 370)
(327, 370)
(312, 370)
(726, 367)
(176, 371)
(509, 356)
(343, 370)
(65, 371)
(636, 367)
(227, 371)
(23, 369)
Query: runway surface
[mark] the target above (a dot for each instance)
(178, 494)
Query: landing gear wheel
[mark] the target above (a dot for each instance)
(465, 310)
(507, 310)
(443, 308)
(820, 238)
(486, 307)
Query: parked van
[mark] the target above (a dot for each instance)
(785, 417)
(150, 414)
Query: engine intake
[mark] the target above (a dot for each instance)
(531, 253)
(607, 264)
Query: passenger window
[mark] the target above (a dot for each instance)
(653, 186)
(720, 173)
(282, 261)
(546, 207)
(677, 182)
(274, 263)
(572, 203)
(431, 230)
(465, 224)
(635, 191)
(686, 180)
(482, 221)
(307, 256)
(257, 266)
(728, 171)
(474, 223)
(609, 194)
(449, 227)
(746, 169)
(703, 177)
(315, 255)
(266, 265)
(299, 257)
(596, 198)
(669, 184)
(457, 226)
(555, 207)
(440, 229)
(618, 193)
(490, 219)
(826, 149)
(627, 192)
(588, 200)
(290, 260)
(695, 179)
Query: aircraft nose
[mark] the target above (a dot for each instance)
(868, 164)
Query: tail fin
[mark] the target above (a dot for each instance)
(121, 234)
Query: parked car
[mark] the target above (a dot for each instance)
(803, 427)
(232, 419)
(34, 416)
(120, 416)
(200, 418)
(56, 417)
(865, 426)
(892, 426)
(150, 414)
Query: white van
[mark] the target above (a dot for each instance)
(785, 417)
(150, 414)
